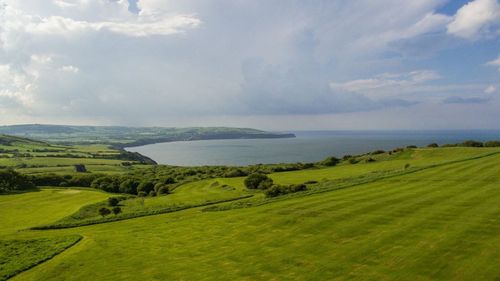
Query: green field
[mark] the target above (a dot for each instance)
(439, 219)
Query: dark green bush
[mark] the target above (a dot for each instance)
(116, 210)
(330, 161)
(492, 144)
(11, 180)
(258, 181)
(433, 145)
(104, 211)
(113, 201)
(472, 143)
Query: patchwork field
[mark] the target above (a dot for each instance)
(436, 219)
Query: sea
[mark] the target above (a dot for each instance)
(308, 146)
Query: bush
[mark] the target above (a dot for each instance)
(377, 152)
(113, 201)
(258, 181)
(277, 190)
(369, 160)
(152, 193)
(472, 143)
(353, 160)
(128, 186)
(411, 146)
(116, 210)
(145, 187)
(492, 144)
(11, 180)
(433, 145)
(142, 194)
(330, 161)
(163, 190)
(104, 211)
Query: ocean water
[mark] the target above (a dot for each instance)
(308, 146)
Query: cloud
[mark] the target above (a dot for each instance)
(490, 89)
(461, 100)
(15, 88)
(138, 26)
(161, 61)
(475, 19)
(69, 68)
(387, 83)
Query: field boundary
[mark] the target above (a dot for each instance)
(53, 255)
(342, 184)
(135, 215)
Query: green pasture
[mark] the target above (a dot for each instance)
(439, 223)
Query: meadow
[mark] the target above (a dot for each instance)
(422, 214)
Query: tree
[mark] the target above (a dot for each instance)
(104, 211)
(113, 201)
(258, 181)
(145, 186)
(116, 210)
(330, 161)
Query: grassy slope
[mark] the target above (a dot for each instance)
(25, 210)
(440, 223)
(39, 162)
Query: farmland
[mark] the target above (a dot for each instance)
(436, 218)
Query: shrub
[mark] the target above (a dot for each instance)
(258, 181)
(128, 186)
(411, 146)
(492, 144)
(277, 190)
(433, 145)
(116, 210)
(353, 160)
(369, 160)
(472, 143)
(145, 187)
(233, 173)
(104, 211)
(163, 190)
(11, 180)
(142, 194)
(330, 161)
(377, 152)
(113, 201)
(152, 193)
(407, 165)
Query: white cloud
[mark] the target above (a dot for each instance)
(475, 19)
(15, 88)
(387, 83)
(490, 89)
(17, 21)
(69, 68)
(495, 62)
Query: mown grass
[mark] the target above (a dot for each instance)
(195, 194)
(440, 223)
(19, 255)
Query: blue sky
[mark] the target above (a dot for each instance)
(277, 65)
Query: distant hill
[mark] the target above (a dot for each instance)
(121, 136)
(15, 140)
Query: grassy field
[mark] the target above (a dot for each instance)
(35, 157)
(439, 223)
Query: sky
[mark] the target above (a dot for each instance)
(274, 65)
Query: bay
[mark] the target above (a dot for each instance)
(308, 146)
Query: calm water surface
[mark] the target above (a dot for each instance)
(306, 147)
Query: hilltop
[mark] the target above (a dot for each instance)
(121, 136)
